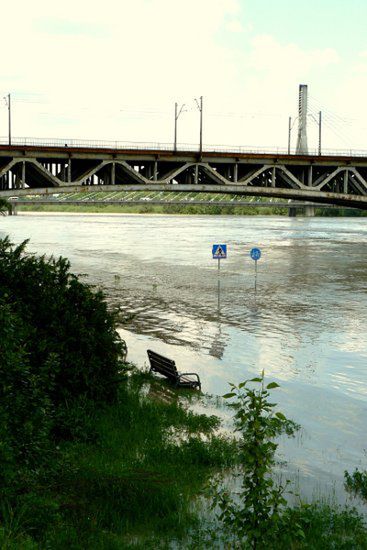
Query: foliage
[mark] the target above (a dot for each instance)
(324, 527)
(64, 322)
(357, 483)
(4, 205)
(189, 209)
(132, 478)
(254, 514)
(319, 527)
(59, 355)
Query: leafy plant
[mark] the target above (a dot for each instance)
(254, 513)
(59, 356)
(357, 482)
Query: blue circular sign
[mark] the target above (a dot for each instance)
(255, 254)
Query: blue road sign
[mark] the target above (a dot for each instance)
(255, 253)
(219, 251)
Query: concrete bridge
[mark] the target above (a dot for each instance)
(35, 167)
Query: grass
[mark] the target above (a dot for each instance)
(134, 482)
(308, 527)
(136, 474)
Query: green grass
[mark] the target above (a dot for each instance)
(307, 527)
(137, 475)
(133, 480)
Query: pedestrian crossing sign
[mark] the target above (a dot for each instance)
(219, 251)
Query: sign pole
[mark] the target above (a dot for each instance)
(255, 254)
(219, 252)
(218, 284)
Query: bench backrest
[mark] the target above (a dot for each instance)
(162, 364)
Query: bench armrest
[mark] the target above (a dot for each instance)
(189, 374)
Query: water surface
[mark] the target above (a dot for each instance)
(305, 325)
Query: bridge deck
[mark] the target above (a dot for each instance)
(31, 168)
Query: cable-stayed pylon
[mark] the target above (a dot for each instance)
(302, 147)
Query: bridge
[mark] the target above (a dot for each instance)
(45, 167)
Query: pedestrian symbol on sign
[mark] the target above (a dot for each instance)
(219, 251)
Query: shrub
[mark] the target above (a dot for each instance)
(59, 355)
(66, 328)
(255, 514)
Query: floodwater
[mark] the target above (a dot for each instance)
(305, 324)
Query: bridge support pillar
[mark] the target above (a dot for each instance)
(345, 182)
(22, 183)
(309, 211)
(292, 212)
(273, 177)
(196, 180)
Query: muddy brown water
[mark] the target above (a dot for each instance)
(305, 325)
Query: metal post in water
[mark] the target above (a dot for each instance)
(255, 254)
(219, 251)
(218, 284)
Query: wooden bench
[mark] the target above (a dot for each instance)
(167, 367)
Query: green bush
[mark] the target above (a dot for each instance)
(66, 327)
(59, 355)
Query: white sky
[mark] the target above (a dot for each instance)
(114, 69)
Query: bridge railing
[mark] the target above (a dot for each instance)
(158, 146)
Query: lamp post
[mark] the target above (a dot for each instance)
(289, 134)
(318, 122)
(8, 103)
(199, 105)
(177, 114)
(290, 127)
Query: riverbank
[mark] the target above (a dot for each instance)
(131, 482)
(139, 479)
(173, 209)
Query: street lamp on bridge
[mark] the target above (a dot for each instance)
(199, 105)
(177, 114)
(290, 127)
(8, 104)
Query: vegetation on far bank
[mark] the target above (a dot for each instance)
(4, 206)
(95, 454)
(214, 210)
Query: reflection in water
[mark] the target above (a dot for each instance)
(218, 342)
(305, 323)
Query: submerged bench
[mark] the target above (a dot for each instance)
(167, 367)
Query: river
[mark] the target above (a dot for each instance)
(305, 324)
